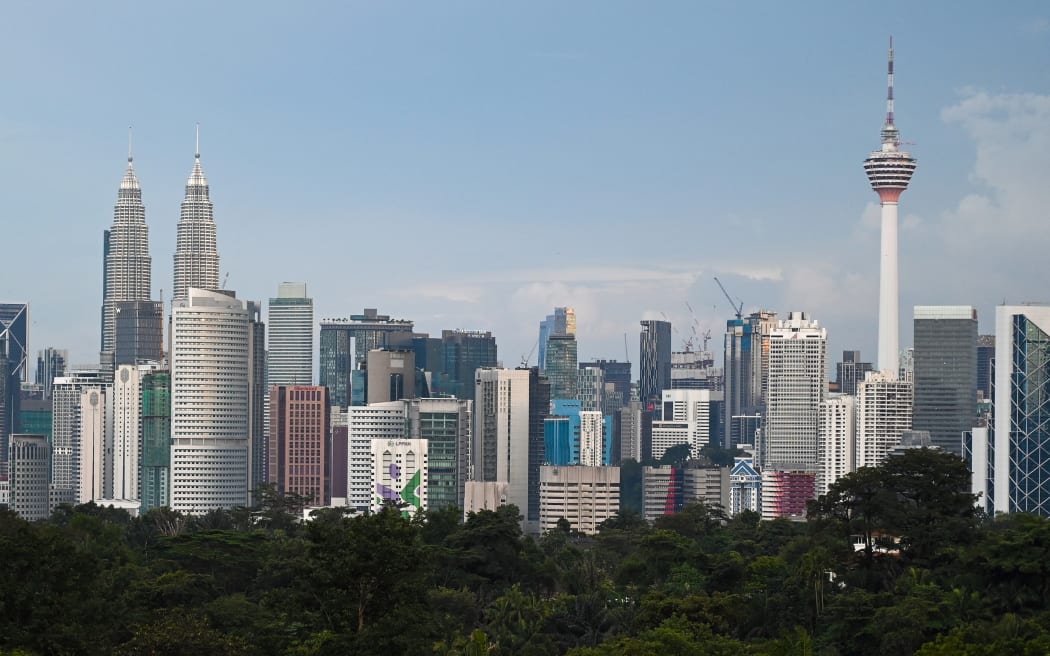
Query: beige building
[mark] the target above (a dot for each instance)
(584, 496)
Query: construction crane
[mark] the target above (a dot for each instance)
(707, 338)
(525, 358)
(225, 279)
(738, 309)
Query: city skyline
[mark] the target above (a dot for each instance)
(611, 134)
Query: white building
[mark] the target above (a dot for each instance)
(884, 405)
(483, 495)
(745, 487)
(399, 475)
(209, 402)
(127, 430)
(590, 388)
(365, 424)
(501, 432)
(796, 384)
(838, 439)
(690, 416)
(290, 336)
(592, 438)
(583, 496)
(79, 436)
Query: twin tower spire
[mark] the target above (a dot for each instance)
(128, 265)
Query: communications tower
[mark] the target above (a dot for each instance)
(889, 170)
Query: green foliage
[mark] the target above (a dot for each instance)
(259, 580)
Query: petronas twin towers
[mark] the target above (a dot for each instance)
(128, 265)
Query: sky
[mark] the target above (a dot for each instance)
(474, 164)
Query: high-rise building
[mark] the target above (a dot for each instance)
(127, 447)
(127, 263)
(539, 407)
(884, 411)
(1021, 429)
(399, 475)
(561, 369)
(850, 371)
(210, 393)
(889, 170)
(583, 496)
(617, 377)
(985, 360)
(562, 322)
(14, 331)
(466, 351)
(345, 343)
(445, 425)
(366, 424)
(155, 419)
(138, 331)
(695, 370)
(945, 373)
(744, 376)
(79, 434)
(391, 375)
(501, 432)
(592, 439)
(590, 388)
(258, 399)
(300, 448)
(629, 427)
(690, 416)
(290, 349)
(796, 384)
(196, 250)
(30, 469)
(836, 448)
(50, 364)
(785, 493)
(654, 369)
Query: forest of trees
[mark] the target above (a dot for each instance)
(935, 578)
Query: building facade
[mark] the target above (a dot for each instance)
(562, 366)
(654, 368)
(155, 420)
(690, 416)
(501, 432)
(366, 424)
(210, 393)
(1020, 441)
(126, 260)
(884, 411)
(290, 347)
(836, 450)
(196, 247)
(797, 383)
(747, 341)
(300, 445)
(583, 496)
(945, 373)
(30, 476)
(399, 475)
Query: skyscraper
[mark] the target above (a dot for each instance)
(445, 425)
(391, 375)
(30, 476)
(300, 455)
(797, 383)
(290, 348)
(746, 367)
(50, 364)
(466, 351)
(14, 327)
(196, 251)
(345, 344)
(884, 411)
(209, 402)
(126, 448)
(985, 359)
(539, 407)
(1022, 410)
(128, 265)
(654, 372)
(562, 322)
(138, 332)
(945, 373)
(155, 417)
(836, 450)
(258, 399)
(561, 368)
(501, 432)
(78, 433)
(617, 377)
(850, 371)
(889, 170)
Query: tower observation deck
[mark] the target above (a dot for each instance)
(889, 171)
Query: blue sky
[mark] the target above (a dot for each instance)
(473, 164)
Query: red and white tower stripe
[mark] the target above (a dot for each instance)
(889, 170)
